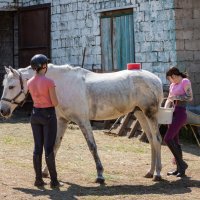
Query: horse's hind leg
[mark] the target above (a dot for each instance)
(157, 140)
(62, 125)
(144, 124)
(88, 134)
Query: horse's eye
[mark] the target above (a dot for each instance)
(11, 87)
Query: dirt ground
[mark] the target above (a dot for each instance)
(125, 162)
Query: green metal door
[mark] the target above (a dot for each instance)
(117, 36)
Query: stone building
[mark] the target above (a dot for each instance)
(156, 33)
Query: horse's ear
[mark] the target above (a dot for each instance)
(7, 69)
(13, 71)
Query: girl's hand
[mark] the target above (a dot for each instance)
(168, 103)
(172, 98)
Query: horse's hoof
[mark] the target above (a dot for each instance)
(149, 175)
(100, 180)
(157, 178)
(45, 175)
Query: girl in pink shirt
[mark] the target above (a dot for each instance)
(43, 119)
(180, 92)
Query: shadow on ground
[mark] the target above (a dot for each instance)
(181, 186)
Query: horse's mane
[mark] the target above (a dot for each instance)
(52, 68)
(67, 67)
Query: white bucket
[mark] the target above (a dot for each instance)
(165, 115)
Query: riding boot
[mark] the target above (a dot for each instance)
(37, 163)
(50, 160)
(175, 172)
(177, 152)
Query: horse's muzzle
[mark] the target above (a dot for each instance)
(4, 112)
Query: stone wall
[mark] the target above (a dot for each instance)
(10, 4)
(75, 24)
(155, 36)
(166, 34)
(187, 15)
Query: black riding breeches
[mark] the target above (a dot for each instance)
(44, 127)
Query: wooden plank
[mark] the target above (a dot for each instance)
(122, 129)
(122, 43)
(134, 127)
(106, 44)
(127, 41)
(116, 44)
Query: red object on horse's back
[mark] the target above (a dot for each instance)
(133, 66)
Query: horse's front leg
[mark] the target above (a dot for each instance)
(86, 129)
(62, 125)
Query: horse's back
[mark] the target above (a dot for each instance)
(113, 94)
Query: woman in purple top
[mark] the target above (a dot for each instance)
(180, 92)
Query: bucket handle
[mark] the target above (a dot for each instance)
(171, 102)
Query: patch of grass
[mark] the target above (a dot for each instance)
(19, 163)
(16, 141)
(127, 148)
(9, 140)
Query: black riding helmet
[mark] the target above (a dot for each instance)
(38, 60)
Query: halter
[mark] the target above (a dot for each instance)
(12, 101)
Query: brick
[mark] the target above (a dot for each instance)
(169, 4)
(150, 36)
(137, 47)
(169, 45)
(196, 34)
(195, 87)
(196, 55)
(139, 16)
(168, 25)
(194, 67)
(159, 67)
(196, 4)
(155, 5)
(165, 15)
(157, 46)
(144, 6)
(159, 36)
(144, 26)
(196, 13)
(192, 45)
(146, 47)
(197, 78)
(140, 57)
(182, 4)
(185, 24)
(185, 55)
(151, 57)
(180, 45)
(147, 66)
(184, 13)
(196, 23)
(139, 37)
(163, 56)
(188, 34)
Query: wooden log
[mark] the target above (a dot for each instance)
(122, 129)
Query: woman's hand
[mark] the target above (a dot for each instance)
(168, 103)
(172, 98)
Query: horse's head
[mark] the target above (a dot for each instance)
(14, 92)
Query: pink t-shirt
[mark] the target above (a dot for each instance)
(178, 89)
(38, 87)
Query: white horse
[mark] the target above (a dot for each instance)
(84, 95)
